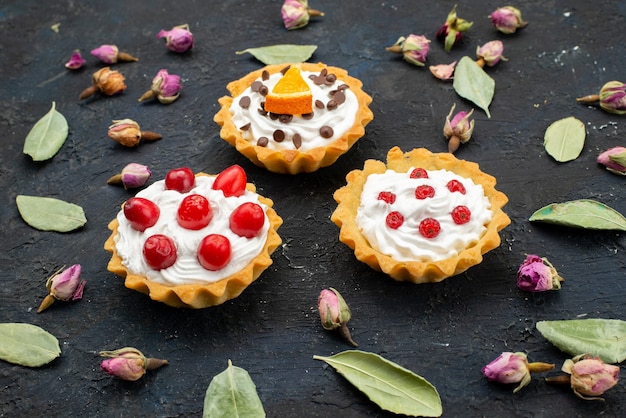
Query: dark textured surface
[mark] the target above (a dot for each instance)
(445, 332)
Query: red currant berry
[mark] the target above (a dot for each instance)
(247, 220)
(387, 197)
(214, 252)
(429, 228)
(394, 220)
(461, 215)
(159, 251)
(456, 186)
(424, 191)
(194, 212)
(141, 213)
(419, 173)
(180, 179)
(231, 181)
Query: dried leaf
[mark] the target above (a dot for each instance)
(50, 214)
(47, 135)
(27, 345)
(279, 54)
(583, 213)
(232, 394)
(387, 384)
(564, 139)
(604, 338)
(472, 83)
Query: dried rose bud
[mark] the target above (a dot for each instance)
(296, 13)
(612, 98)
(443, 71)
(451, 32)
(614, 159)
(132, 176)
(165, 87)
(64, 285)
(513, 368)
(414, 49)
(589, 377)
(128, 363)
(490, 53)
(105, 81)
(507, 19)
(178, 39)
(76, 61)
(110, 54)
(128, 133)
(458, 130)
(334, 312)
(537, 274)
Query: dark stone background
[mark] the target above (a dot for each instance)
(445, 332)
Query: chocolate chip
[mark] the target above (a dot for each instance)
(265, 75)
(332, 104)
(285, 118)
(343, 87)
(319, 104)
(339, 97)
(284, 70)
(263, 90)
(331, 78)
(274, 116)
(279, 136)
(255, 86)
(307, 116)
(262, 141)
(245, 127)
(244, 102)
(297, 140)
(326, 131)
(262, 111)
(323, 72)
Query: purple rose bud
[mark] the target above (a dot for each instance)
(513, 368)
(414, 49)
(443, 71)
(106, 53)
(178, 39)
(64, 285)
(537, 274)
(507, 19)
(458, 130)
(590, 376)
(334, 312)
(490, 53)
(296, 13)
(614, 159)
(451, 32)
(613, 97)
(128, 363)
(76, 61)
(135, 175)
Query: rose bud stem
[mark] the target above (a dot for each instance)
(155, 363)
(563, 379)
(315, 12)
(123, 56)
(150, 136)
(146, 96)
(345, 333)
(480, 62)
(46, 303)
(396, 49)
(592, 98)
(88, 92)
(453, 144)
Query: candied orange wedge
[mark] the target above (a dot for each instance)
(291, 95)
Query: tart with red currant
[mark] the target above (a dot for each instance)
(194, 240)
(422, 217)
(294, 118)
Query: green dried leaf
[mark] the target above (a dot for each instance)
(387, 384)
(604, 338)
(27, 345)
(279, 54)
(47, 135)
(232, 394)
(583, 213)
(472, 83)
(50, 214)
(564, 139)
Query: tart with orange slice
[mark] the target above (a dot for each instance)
(294, 118)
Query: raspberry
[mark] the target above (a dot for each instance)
(456, 186)
(424, 191)
(418, 173)
(388, 197)
(461, 215)
(429, 228)
(394, 220)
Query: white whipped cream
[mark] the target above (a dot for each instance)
(340, 119)
(187, 269)
(406, 243)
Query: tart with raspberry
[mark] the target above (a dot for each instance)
(194, 240)
(294, 118)
(422, 217)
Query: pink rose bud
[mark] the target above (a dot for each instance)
(507, 19)
(490, 53)
(296, 14)
(537, 274)
(125, 131)
(334, 312)
(76, 61)
(458, 130)
(590, 376)
(414, 48)
(443, 71)
(614, 159)
(178, 39)
(132, 176)
(110, 54)
(64, 285)
(451, 32)
(613, 97)
(165, 87)
(513, 368)
(128, 363)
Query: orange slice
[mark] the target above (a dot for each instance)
(291, 95)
